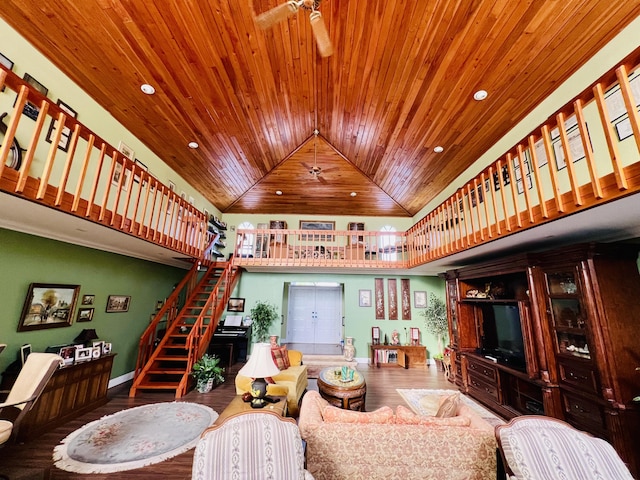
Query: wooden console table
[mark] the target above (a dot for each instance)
(407, 356)
(71, 391)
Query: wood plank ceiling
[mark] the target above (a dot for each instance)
(400, 82)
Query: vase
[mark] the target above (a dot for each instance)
(273, 339)
(349, 349)
(204, 385)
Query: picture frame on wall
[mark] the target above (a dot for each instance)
(118, 303)
(48, 305)
(65, 136)
(364, 298)
(117, 173)
(235, 305)
(126, 150)
(85, 315)
(5, 61)
(30, 109)
(88, 299)
(327, 226)
(420, 299)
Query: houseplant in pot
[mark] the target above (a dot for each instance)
(207, 372)
(435, 322)
(263, 314)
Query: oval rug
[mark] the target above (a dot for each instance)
(134, 438)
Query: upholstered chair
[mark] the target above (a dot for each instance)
(32, 379)
(251, 445)
(545, 448)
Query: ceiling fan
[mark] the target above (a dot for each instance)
(283, 11)
(315, 171)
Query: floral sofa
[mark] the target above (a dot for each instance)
(385, 444)
(291, 382)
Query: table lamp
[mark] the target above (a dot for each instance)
(86, 335)
(259, 366)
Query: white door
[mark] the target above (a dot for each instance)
(315, 315)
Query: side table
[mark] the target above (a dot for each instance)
(347, 395)
(237, 405)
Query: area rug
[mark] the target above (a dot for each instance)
(426, 402)
(134, 438)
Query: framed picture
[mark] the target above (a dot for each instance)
(106, 348)
(159, 305)
(125, 150)
(85, 315)
(31, 110)
(235, 305)
(364, 298)
(118, 303)
(25, 350)
(48, 306)
(415, 336)
(318, 225)
(420, 299)
(65, 137)
(117, 172)
(7, 63)
(68, 354)
(375, 335)
(83, 354)
(136, 178)
(88, 299)
(96, 352)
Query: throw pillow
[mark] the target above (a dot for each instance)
(285, 356)
(404, 416)
(449, 406)
(278, 358)
(333, 414)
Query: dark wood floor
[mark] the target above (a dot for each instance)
(36, 454)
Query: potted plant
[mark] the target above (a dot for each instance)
(435, 322)
(263, 314)
(207, 372)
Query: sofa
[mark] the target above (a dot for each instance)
(291, 382)
(384, 444)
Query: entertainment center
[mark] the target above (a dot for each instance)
(553, 333)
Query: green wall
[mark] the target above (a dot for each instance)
(358, 320)
(26, 259)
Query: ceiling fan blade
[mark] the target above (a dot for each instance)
(321, 33)
(321, 179)
(277, 14)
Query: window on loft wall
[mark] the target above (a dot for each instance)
(248, 240)
(387, 247)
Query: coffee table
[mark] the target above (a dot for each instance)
(349, 395)
(237, 405)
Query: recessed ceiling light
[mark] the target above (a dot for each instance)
(148, 89)
(193, 145)
(480, 95)
(353, 194)
(438, 149)
(278, 192)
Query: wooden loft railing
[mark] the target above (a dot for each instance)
(81, 174)
(585, 155)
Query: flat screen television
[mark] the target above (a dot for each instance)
(502, 339)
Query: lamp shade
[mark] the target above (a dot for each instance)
(86, 335)
(260, 363)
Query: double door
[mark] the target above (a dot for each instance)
(314, 315)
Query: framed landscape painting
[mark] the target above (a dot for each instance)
(48, 305)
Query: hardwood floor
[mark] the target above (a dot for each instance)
(36, 454)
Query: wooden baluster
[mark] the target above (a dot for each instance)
(503, 196)
(3, 78)
(610, 136)
(73, 142)
(105, 198)
(553, 173)
(525, 187)
(136, 204)
(536, 176)
(83, 173)
(96, 179)
(51, 157)
(162, 209)
(13, 125)
(588, 150)
(564, 140)
(494, 203)
(129, 191)
(629, 102)
(471, 208)
(31, 149)
(460, 239)
(466, 215)
(513, 182)
(147, 192)
(486, 203)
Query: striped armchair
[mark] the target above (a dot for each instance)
(535, 447)
(248, 446)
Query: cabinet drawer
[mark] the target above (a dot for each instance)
(483, 370)
(579, 376)
(480, 384)
(584, 414)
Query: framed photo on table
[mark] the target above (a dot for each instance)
(375, 335)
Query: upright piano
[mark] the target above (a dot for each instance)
(224, 336)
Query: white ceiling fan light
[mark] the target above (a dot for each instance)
(438, 149)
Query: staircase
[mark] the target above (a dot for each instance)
(165, 358)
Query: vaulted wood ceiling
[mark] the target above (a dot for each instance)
(400, 82)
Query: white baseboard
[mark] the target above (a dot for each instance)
(114, 382)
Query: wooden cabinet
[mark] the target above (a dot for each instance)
(71, 391)
(405, 356)
(278, 225)
(580, 325)
(355, 239)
